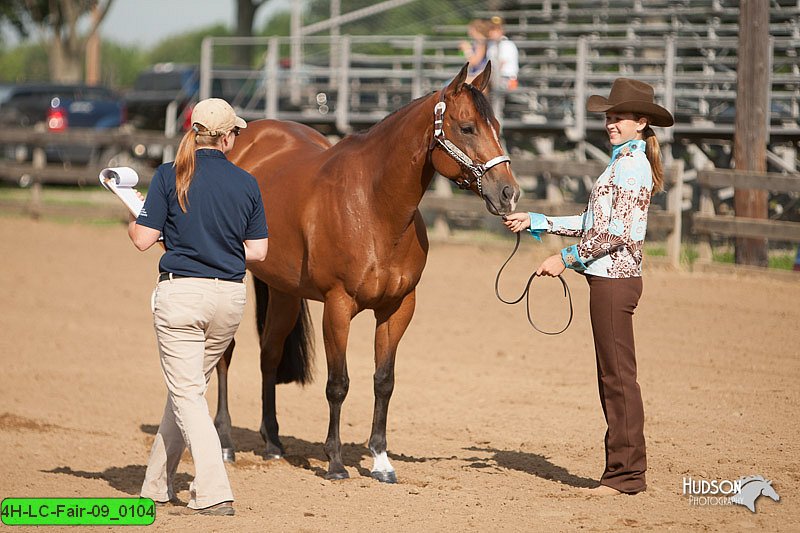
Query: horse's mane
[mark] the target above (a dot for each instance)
(482, 105)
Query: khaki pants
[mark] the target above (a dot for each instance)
(611, 305)
(195, 320)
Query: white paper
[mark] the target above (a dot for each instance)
(121, 181)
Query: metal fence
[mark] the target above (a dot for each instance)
(354, 81)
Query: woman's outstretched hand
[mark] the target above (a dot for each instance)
(517, 222)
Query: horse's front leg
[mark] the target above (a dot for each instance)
(223, 419)
(390, 324)
(339, 310)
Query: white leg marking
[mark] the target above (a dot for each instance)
(381, 463)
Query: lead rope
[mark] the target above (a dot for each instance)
(527, 295)
(527, 292)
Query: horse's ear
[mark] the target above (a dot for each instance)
(481, 81)
(455, 85)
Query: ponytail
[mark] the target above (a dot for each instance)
(184, 164)
(653, 151)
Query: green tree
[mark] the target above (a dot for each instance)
(245, 18)
(415, 18)
(122, 64)
(185, 48)
(276, 26)
(418, 17)
(12, 12)
(28, 62)
(23, 63)
(58, 21)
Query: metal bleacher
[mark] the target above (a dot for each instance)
(687, 50)
(568, 50)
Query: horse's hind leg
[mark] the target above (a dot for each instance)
(336, 328)
(391, 323)
(282, 314)
(223, 419)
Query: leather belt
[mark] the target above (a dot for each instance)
(164, 276)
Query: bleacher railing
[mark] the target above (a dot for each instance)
(354, 81)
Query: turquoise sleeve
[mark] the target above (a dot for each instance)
(539, 225)
(572, 258)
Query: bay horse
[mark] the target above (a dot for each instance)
(345, 229)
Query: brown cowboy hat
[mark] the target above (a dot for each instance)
(631, 96)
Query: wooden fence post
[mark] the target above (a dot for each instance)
(442, 189)
(39, 162)
(752, 115)
(674, 206)
(706, 207)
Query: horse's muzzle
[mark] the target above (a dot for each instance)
(502, 199)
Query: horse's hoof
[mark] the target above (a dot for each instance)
(384, 477)
(272, 452)
(229, 455)
(335, 476)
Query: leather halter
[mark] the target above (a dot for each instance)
(478, 170)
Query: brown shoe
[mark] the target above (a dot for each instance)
(220, 509)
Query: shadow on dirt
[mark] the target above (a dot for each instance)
(302, 453)
(127, 479)
(535, 464)
(311, 456)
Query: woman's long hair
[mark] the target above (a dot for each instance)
(653, 151)
(196, 137)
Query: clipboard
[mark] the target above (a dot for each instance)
(121, 181)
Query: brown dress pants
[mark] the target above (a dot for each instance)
(611, 305)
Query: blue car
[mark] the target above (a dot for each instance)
(60, 108)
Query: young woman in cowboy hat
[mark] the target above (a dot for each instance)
(609, 255)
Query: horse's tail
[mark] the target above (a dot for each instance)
(298, 348)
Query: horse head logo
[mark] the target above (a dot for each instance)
(751, 488)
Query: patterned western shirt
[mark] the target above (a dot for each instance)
(614, 223)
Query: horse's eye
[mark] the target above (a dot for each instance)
(467, 130)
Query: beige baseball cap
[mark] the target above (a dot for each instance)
(217, 116)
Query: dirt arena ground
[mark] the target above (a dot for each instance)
(492, 426)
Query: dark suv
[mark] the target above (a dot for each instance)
(61, 107)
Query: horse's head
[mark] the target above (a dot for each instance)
(466, 145)
(768, 490)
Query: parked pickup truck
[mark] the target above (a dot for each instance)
(153, 91)
(164, 83)
(148, 103)
(61, 107)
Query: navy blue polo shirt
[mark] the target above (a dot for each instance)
(224, 209)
